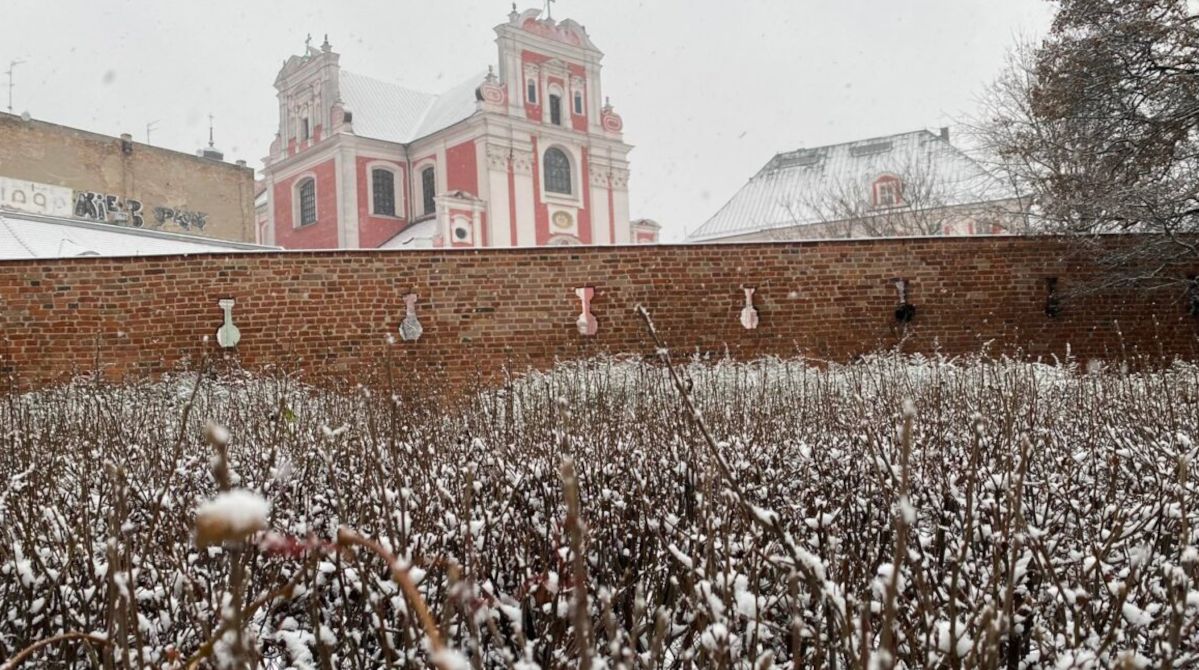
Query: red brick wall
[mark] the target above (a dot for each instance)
(330, 312)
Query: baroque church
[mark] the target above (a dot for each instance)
(528, 153)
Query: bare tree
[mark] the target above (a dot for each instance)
(1100, 123)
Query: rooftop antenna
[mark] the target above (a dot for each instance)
(11, 66)
(150, 126)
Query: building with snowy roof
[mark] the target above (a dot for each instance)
(521, 154)
(915, 183)
(24, 234)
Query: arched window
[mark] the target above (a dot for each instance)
(578, 102)
(557, 171)
(383, 192)
(887, 191)
(428, 185)
(555, 109)
(306, 190)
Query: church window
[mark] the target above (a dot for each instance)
(555, 110)
(557, 171)
(887, 191)
(578, 102)
(532, 92)
(383, 192)
(307, 194)
(428, 182)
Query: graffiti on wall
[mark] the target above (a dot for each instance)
(185, 219)
(27, 196)
(108, 208)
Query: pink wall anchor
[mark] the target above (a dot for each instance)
(586, 321)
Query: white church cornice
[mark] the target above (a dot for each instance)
(501, 125)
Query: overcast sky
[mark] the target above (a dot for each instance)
(709, 91)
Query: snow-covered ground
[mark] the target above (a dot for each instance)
(1046, 516)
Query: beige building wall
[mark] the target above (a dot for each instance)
(127, 183)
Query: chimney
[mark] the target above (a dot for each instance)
(945, 133)
(126, 143)
(241, 163)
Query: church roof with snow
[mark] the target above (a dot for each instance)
(787, 190)
(390, 112)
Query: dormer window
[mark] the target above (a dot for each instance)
(532, 92)
(578, 102)
(887, 191)
(555, 109)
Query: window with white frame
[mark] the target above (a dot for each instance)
(578, 102)
(383, 192)
(306, 194)
(556, 168)
(531, 91)
(555, 109)
(887, 191)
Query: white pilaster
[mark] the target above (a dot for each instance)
(346, 176)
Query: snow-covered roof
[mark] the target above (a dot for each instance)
(386, 111)
(24, 235)
(788, 189)
(417, 236)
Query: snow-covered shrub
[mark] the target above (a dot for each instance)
(1046, 516)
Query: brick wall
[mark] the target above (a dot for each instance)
(330, 312)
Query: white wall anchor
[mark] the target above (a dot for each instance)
(410, 328)
(749, 315)
(227, 335)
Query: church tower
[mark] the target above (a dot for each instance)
(527, 153)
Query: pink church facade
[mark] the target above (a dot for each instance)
(526, 154)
